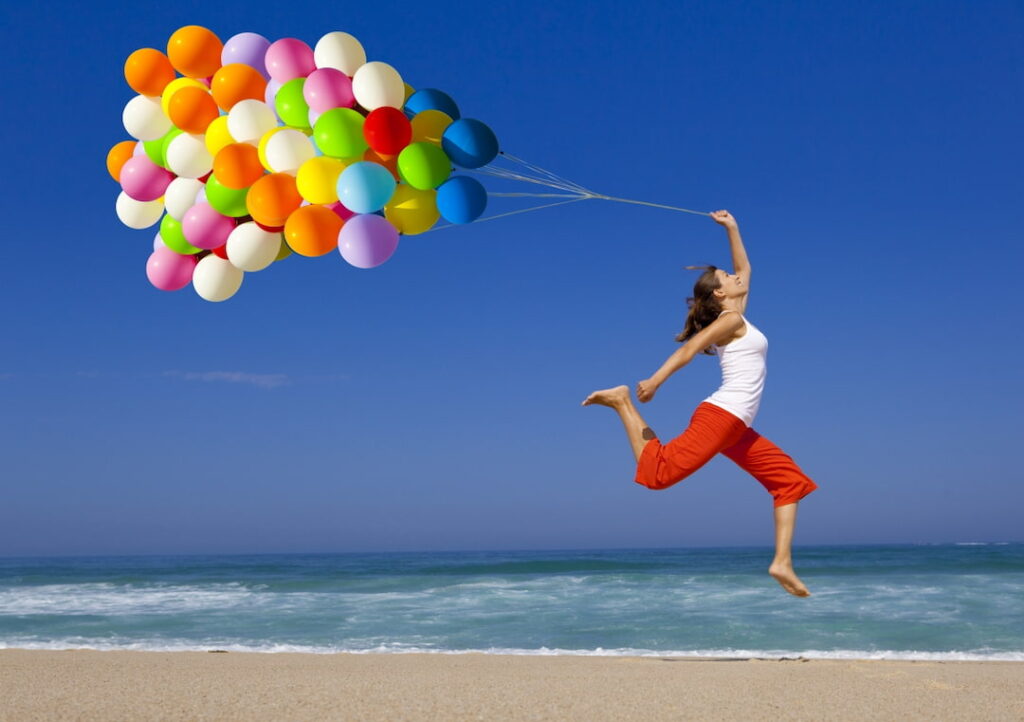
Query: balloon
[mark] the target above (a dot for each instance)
(387, 130)
(431, 99)
(291, 105)
(218, 135)
(118, 156)
(312, 231)
(378, 85)
(366, 241)
(411, 210)
(235, 82)
(328, 88)
(247, 48)
(144, 180)
(205, 228)
(158, 242)
(424, 166)
(317, 179)
(187, 156)
(428, 126)
(138, 214)
(339, 133)
(461, 199)
(288, 149)
(388, 161)
(226, 201)
(237, 165)
(272, 199)
(148, 71)
(339, 51)
(174, 238)
(173, 87)
(268, 97)
(216, 279)
(143, 118)
(251, 248)
(194, 51)
(289, 58)
(154, 149)
(261, 147)
(365, 187)
(222, 252)
(192, 109)
(169, 271)
(248, 120)
(164, 143)
(341, 211)
(180, 196)
(469, 143)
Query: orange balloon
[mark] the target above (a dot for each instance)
(235, 82)
(194, 51)
(237, 165)
(148, 71)
(388, 161)
(272, 198)
(118, 156)
(192, 109)
(313, 230)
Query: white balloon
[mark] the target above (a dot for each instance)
(188, 156)
(216, 279)
(144, 119)
(378, 85)
(181, 195)
(249, 119)
(340, 51)
(287, 149)
(251, 248)
(138, 214)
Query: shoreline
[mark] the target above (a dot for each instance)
(87, 684)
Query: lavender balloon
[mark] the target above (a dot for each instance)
(366, 241)
(205, 228)
(169, 271)
(248, 48)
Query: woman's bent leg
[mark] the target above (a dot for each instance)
(637, 430)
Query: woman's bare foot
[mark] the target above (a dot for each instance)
(608, 397)
(784, 575)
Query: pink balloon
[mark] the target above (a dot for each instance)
(366, 241)
(205, 228)
(168, 270)
(328, 88)
(341, 211)
(144, 180)
(289, 58)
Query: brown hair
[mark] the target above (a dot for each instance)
(704, 307)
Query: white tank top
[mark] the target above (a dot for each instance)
(743, 374)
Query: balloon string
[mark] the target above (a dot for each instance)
(513, 213)
(549, 174)
(646, 203)
(509, 175)
(579, 196)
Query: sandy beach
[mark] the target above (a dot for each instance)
(90, 685)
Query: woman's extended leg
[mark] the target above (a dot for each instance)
(782, 565)
(637, 430)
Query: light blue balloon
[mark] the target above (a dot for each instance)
(469, 143)
(365, 187)
(461, 199)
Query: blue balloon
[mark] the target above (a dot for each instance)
(365, 187)
(431, 99)
(469, 143)
(461, 199)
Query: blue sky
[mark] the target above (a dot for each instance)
(871, 152)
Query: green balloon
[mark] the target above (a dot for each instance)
(166, 141)
(339, 133)
(291, 105)
(424, 166)
(174, 238)
(155, 150)
(226, 200)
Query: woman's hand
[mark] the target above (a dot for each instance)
(724, 218)
(646, 389)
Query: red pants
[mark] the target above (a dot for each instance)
(714, 430)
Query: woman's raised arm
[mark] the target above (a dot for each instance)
(740, 263)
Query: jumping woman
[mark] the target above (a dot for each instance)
(722, 422)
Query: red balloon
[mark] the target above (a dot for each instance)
(387, 130)
(221, 251)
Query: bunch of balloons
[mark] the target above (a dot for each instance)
(249, 150)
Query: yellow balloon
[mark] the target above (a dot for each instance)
(409, 90)
(429, 125)
(317, 179)
(261, 147)
(412, 211)
(173, 87)
(217, 135)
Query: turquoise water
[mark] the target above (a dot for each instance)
(957, 601)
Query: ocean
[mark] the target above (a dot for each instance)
(924, 602)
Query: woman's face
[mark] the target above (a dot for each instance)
(730, 285)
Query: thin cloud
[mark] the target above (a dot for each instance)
(263, 381)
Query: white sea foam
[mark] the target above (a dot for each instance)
(110, 599)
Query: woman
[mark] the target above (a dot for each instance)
(722, 423)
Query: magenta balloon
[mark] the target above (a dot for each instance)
(247, 48)
(366, 241)
(289, 58)
(328, 88)
(340, 210)
(168, 270)
(144, 180)
(206, 228)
